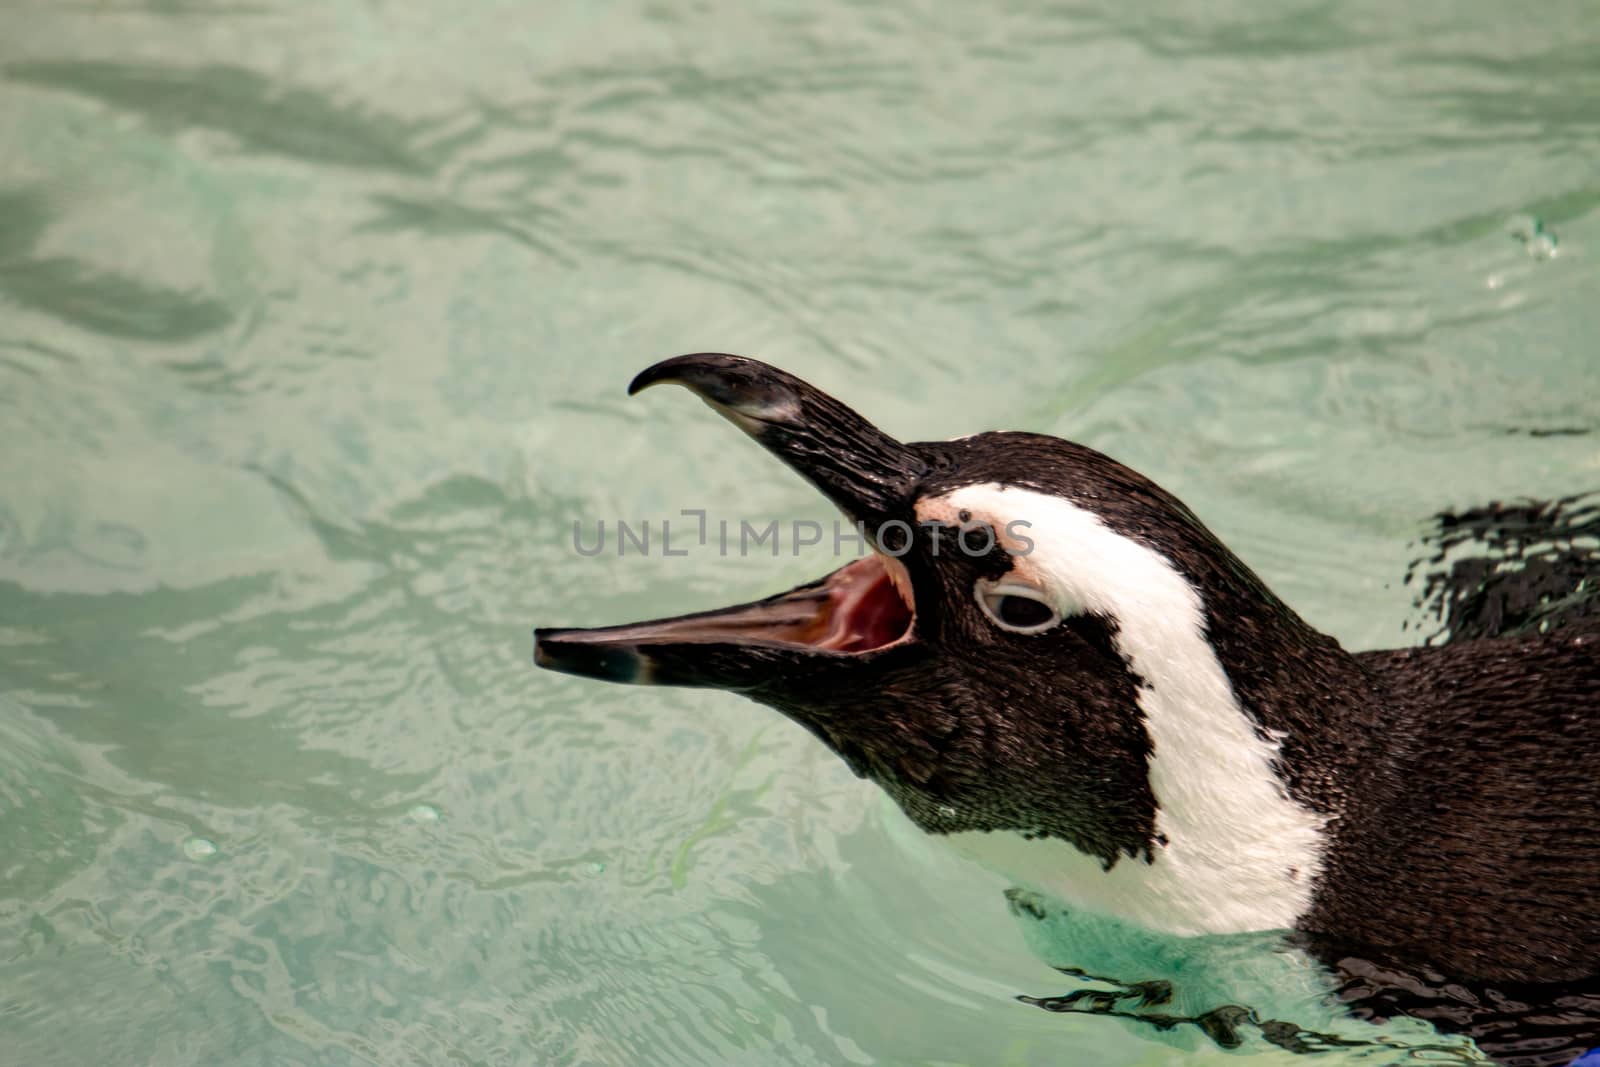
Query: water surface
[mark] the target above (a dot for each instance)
(314, 324)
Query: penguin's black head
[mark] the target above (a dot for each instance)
(975, 663)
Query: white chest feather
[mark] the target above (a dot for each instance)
(1240, 854)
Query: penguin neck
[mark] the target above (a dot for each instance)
(1327, 713)
(1240, 699)
(1242, 812)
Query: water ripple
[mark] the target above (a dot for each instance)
(317, 326)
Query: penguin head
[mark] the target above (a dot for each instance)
(990, 661)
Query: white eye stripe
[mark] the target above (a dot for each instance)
(1233, 830)
(1016, 608)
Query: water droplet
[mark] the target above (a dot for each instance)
(1530, 230)
(597, 868)
(947, 811)
(423, 813)
(198, 848)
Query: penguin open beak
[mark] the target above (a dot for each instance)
(859, 609)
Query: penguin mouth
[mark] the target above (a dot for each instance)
(860, 609)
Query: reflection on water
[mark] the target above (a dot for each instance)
(314, 324)
(258, 113)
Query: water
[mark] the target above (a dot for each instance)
(315, 325)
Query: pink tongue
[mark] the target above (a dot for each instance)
(867, 613)
(876, 620)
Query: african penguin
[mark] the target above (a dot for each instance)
(1048, 661)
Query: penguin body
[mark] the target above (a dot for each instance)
(1050, 662)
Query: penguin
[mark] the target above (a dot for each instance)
(1049, 662)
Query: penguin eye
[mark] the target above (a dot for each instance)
(1017, 608)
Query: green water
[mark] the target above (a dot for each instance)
(314, 327)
